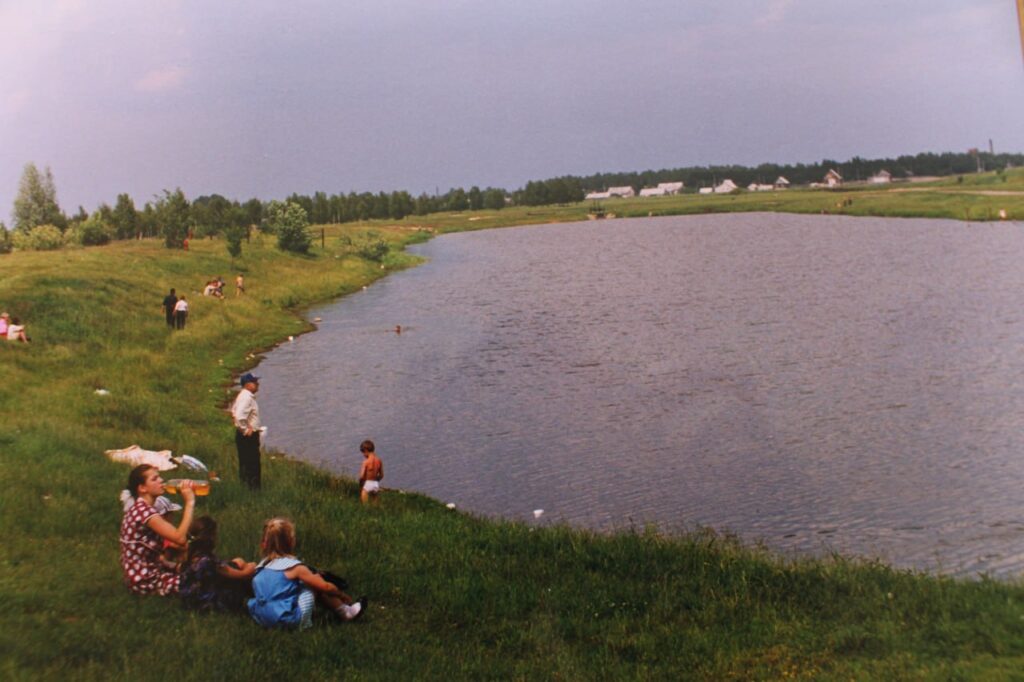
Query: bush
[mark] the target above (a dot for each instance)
(375, 250)
(39, 238)
(6, 245)
(93, 231)
(288, 221)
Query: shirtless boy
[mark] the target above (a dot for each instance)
(371, 473)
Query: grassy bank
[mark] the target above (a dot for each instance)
(451, 595)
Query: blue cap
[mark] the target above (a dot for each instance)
(248, 377)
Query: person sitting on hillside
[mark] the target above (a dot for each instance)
(286, 589)
(207, 583)
(16, 331)
(143, 529)
(4, 322)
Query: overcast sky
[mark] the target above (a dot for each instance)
(263, 98)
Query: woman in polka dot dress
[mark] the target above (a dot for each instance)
(144, 529)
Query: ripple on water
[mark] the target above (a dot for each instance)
(819, 383)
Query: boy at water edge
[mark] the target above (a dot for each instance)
(371, 473)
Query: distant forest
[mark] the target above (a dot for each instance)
(924, 164)
(39, 222)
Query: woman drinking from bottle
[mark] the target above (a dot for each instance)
(144, 529)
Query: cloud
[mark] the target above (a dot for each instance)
(161, 80)
(18, 100)
(774, 13)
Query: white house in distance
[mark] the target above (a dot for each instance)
(882, 177)
(663, 189)
(705, 190)
(833, 178)
(781, 183)
(597, 196)
(726, 187)
(624, 192)
(754, 187)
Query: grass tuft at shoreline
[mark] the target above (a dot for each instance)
(452, 595)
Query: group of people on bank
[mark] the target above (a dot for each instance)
(12, 329)
(161, 557)
(176, 307)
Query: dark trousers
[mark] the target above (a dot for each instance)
(248, 458)
(170, 318)
(179, 319)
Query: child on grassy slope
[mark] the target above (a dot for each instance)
(208, 584)
(286, 589)
(370, 474)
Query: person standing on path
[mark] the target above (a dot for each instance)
(180, 313)
(170, 300)
(246, 415)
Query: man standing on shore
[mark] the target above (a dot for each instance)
(246, 415)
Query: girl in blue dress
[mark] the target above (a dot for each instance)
(285, 589)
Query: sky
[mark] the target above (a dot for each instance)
(262, 99)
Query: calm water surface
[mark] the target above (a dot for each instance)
(816, 383)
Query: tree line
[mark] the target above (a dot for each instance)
(39, 222)
(857, 168)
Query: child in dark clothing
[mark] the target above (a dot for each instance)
(208, 584)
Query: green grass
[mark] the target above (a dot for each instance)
(945, 198)
(452, 596)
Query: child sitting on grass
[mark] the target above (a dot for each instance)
(208, 584)
(285, 588)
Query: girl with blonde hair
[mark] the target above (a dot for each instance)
(286, 589)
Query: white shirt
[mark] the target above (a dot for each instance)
(245, 412)
(181, 306)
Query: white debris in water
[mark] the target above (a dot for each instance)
(316, 319)
(537, 513)
(291, 338)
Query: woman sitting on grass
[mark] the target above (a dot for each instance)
(143, 530)
(208, 584)
(286, 589)
(16, 331)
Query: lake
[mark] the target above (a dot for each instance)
(815, 383)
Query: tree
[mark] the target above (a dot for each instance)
(457, 200)
(173, 217)
(253, 211)
(5, 239)
(400, 204)
(288, 220)
(233, 236)
(149, 221)
(476, 198)
(125, 218)
(210, 214)
(36, 203)
(494, 199)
